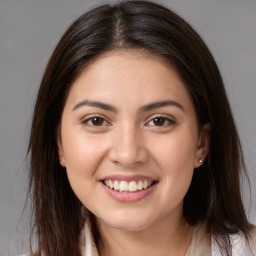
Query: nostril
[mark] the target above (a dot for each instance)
(127, 157)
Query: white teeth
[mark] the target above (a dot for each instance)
(111, 184)
(140, 186)
(132, 186)
(145, 184)
(116, 185)
(124, 186)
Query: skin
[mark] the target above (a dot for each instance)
(129, 141)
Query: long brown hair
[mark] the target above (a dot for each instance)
(214, 195)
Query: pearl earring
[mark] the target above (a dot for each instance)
(61, 160)
(200, 161)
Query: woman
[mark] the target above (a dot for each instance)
(134, 150)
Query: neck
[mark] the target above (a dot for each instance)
(163, 238)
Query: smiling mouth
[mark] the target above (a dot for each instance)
(125, 186)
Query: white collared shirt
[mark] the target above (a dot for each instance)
(200, 244)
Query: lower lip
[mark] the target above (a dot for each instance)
(129, 196)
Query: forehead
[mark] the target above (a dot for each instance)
(130, 77)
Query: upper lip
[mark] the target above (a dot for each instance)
(127, 178)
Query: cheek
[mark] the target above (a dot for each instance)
(83, 154)
(175, 152)
(77, 147)
(175, 156)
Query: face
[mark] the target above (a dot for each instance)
(130, 141)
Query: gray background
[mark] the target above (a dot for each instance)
(29, 30)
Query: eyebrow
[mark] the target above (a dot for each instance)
(112, 108)
(96, 104)
(160, 104)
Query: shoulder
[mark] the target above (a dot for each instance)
(240, 245)
(252, 240)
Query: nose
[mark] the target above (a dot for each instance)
(128, 149)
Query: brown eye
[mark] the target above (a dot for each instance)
(97, 121)
(159, 121)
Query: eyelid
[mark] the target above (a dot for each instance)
(171, 120)
(90, 117)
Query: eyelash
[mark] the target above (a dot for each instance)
(166, 121)
(90, 120)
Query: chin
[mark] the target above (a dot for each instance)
(129, 224)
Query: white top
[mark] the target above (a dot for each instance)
(201, 244)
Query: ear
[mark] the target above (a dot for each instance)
(60, 152)
(203, 145)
